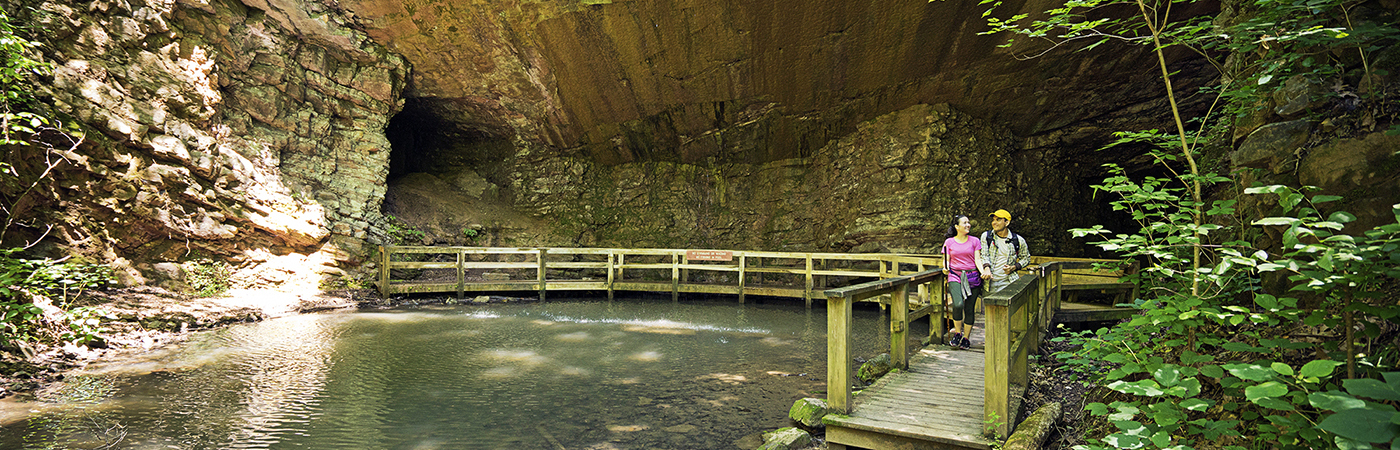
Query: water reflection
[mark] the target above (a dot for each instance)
(550, 375)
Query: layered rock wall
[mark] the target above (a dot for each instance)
(248, 132)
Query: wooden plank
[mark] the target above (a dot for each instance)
(885, 435)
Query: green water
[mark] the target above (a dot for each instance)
(626, 374)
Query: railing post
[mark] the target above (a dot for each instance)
(675, 276)
(742, 260)
(996, 390)
(612, 266)
(1059, 285)
(936, 331)
(541, 273)
(384, 272)
(461, 274)
(899, 327)
(838, 354)
(807, 294)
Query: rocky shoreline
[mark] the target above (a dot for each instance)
(145, 318)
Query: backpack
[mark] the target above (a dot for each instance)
(1015, 242)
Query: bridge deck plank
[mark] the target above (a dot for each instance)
(937, 403)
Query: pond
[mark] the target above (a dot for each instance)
(575, 374)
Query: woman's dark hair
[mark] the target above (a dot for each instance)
(953, 228)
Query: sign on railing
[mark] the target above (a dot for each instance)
(709, 255)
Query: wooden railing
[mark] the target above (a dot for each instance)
(799, 274)
(838, 327)
(1016, 317)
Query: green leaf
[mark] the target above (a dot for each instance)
(1146, 388)
(1251, 372)
(1266, 389)
(1325, 198)
(1362, 424)
(1334, 401)
(1319, 368)
(1168, 375)
(1282, 369)
(1276, 221)
(1273, 403)
(1371, 388)
(1342, 217)
(1195, 404)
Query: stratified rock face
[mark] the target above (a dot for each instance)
(748, 81)
(893, 185)
(259, 131)
(251, 132)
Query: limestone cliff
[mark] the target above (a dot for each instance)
(276, 134)
(219, 129)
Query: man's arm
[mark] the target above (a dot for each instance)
(1023, 254)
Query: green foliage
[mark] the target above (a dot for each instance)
(16, 69)
(402, 233)
(208, 278)
(471, 234)
(1216, 369)
(21, 279)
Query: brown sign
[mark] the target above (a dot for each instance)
(708, 255)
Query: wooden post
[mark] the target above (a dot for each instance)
(923, 290)
(936, 331)
(899, 327)
(1059, 285)
(675, 277)
(611, 267)
(742, 260)
(995, 381)
(540, 257)
(838, 354)
(461, 274)
(383, 272)
(621, 260)
(807, 294)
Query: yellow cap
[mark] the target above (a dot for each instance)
(1002, 214)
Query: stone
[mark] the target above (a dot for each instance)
(875, 368)
(1030, 433)
(809, 412)
(789, 438)
(1271, 145)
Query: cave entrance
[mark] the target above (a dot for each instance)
(444, 138)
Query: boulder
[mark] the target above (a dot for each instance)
(809, 412)
(785, 439)
(875, 368)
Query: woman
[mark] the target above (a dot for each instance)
(962, 255)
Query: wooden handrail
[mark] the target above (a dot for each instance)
(839, 302)
(1015, 316)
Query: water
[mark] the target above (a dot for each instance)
(560, 374)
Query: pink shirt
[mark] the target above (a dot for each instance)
(962, 256)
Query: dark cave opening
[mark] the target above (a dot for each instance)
(440, 137)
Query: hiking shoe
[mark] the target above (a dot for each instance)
(965, 344)
(957, 338)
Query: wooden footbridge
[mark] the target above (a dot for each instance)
(942, 398)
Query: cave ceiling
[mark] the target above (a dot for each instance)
(625, 80)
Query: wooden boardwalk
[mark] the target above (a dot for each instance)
(936, 404)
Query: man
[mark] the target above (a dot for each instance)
(1003, 252)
